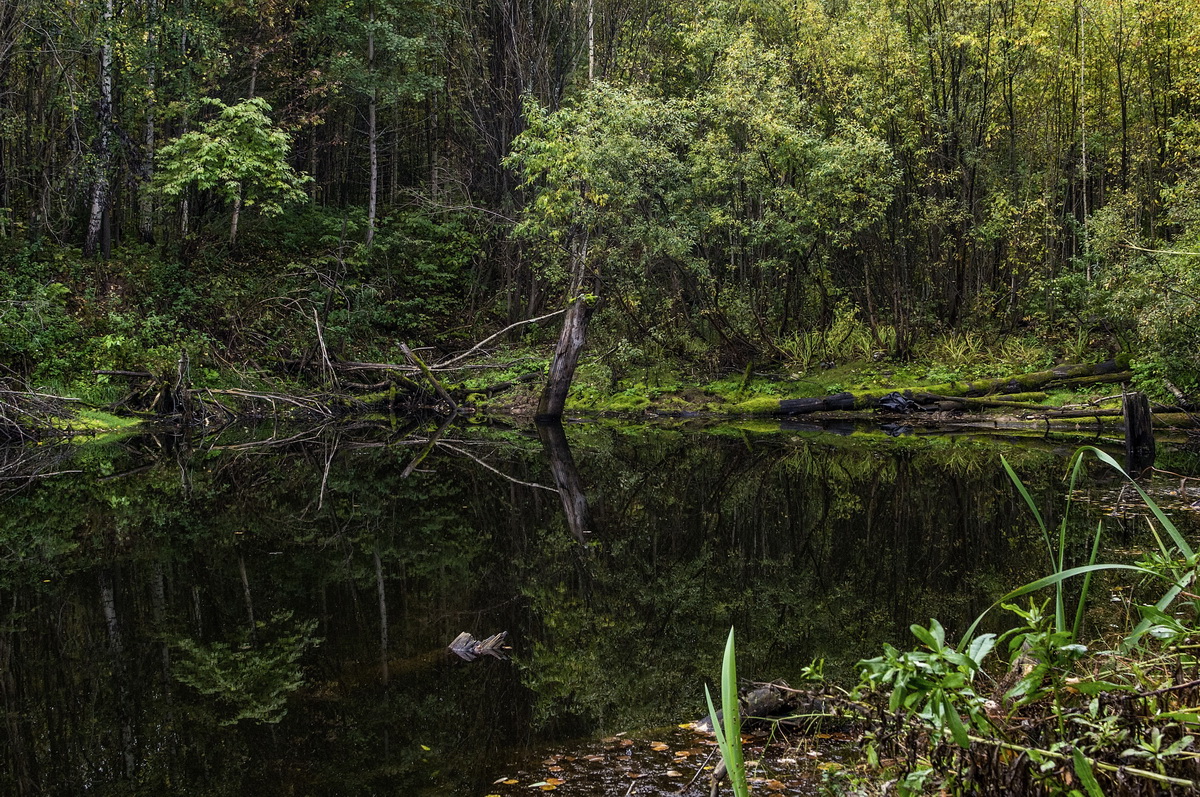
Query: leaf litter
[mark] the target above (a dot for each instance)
(663, 763)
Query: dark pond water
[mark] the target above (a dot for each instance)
(255, 614)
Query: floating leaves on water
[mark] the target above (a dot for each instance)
(773, 785)
(659, 746)
(549, 784)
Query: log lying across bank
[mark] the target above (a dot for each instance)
(1060, 376)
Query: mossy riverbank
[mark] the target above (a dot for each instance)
(1082, 397)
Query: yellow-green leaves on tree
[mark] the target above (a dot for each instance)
(239, 155)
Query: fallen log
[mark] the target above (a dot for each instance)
(130, 374)
(997, 401)
(1062, 375)
(1050, 412)
(500, 387)
(433, 380)
(838, 401)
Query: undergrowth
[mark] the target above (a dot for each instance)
(1043, 708)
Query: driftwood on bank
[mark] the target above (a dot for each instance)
(1063, 375)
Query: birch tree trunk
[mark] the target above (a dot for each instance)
(372, 129)
(145, 199)
(101, 183)
(233, 219)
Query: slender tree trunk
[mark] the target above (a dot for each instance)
(394, 186)
(1139, 433)
(249, 599)
(372, 131)
(591, 40)
(373, 146)
(383, 613)
(233, 219)
(101, 183)
(116, 646)
(145, 199)
(237, 200)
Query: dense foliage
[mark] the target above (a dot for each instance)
(732, 176)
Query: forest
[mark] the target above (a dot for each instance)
(712, 185)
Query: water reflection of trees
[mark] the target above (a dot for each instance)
(110, 578)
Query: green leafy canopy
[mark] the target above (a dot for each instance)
(239, 152)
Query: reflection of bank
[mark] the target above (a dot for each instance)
(566, 477)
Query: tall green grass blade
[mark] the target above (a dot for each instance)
(1167, 525)
(1058, 578)
(1016, 480)
(1060, 609)
(1087, 584)
(1051, 580)
(734, 764)
(716, 724)
(729, 739)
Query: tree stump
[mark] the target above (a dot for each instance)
(1139, 433)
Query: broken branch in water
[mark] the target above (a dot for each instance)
(469, 648)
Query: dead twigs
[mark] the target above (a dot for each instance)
(29, 416)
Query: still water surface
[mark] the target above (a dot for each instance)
(249, 614)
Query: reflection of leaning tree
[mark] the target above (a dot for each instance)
(566, 477)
